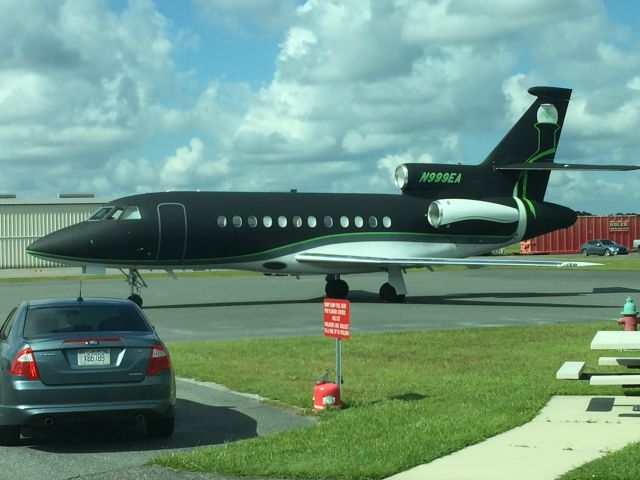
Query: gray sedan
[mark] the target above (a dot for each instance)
(601, 247)
(66, 360)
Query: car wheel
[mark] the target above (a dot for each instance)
(607, 253)
(160, 427)
(9, 435)
(584, 252)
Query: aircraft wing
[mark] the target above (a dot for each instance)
(426, 262)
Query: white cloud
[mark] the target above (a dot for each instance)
(75, 76)
(469, 21)
(241, 16)
(634, 83)
(356, 142)
(298, 44)
(190, 165)
(358, 86)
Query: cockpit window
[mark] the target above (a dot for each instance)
(131, 213)
(100, 213)
(114, 214)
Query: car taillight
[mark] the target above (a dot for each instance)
(24, 364)
(158, 360)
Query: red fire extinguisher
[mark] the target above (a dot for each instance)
(325, 394)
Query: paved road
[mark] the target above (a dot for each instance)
(217, 307)
(207, 414)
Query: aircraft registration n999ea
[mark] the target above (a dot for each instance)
(444, 214)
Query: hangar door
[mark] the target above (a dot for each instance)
(172, 238)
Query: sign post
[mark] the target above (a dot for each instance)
(336, 324)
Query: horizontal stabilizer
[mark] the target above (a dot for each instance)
(424, 262)
(564, 166)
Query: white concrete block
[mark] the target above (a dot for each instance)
(619, 361)
(570, 371)
(615, 380)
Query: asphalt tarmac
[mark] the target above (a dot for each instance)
(269, 306)
(258, 306)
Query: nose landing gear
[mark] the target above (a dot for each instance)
(136, 282)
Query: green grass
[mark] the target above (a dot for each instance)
(410, 397)
(619, 465)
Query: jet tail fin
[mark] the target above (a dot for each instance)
(532, 140)
(519, 166)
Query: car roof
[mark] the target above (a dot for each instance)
(78, 302)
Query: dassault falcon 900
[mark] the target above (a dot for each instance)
(445, 214)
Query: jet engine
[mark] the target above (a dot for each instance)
(447, 211)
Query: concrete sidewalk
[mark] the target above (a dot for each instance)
(568, 431)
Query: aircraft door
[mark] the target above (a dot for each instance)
(172, 238)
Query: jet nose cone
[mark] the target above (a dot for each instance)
(58, 246)
(44, 246)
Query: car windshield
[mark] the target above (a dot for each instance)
(608, 242)
(93, 318)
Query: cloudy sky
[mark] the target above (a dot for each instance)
(118, 97)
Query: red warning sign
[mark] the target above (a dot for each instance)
(336, 318)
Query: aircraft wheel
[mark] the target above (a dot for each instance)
(388, 294)
(337, 289)
(135, 298)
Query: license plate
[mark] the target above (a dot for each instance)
(93, 358)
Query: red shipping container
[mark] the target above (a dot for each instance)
(622, 229)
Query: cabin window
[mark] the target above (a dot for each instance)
(328, 221)
(114, 214)
(282, 221)
(131, 213)
(344, 222)
(312, 222)
(267, 221)
(373, 222)
(222, 221)
(100, 213)
(386, 221)
(358, 222)
(296, 221)
(252, 221)
(237, 221)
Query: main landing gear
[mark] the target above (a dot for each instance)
(388, 294)
(136, 282)
(392, 291)
(336, 287)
